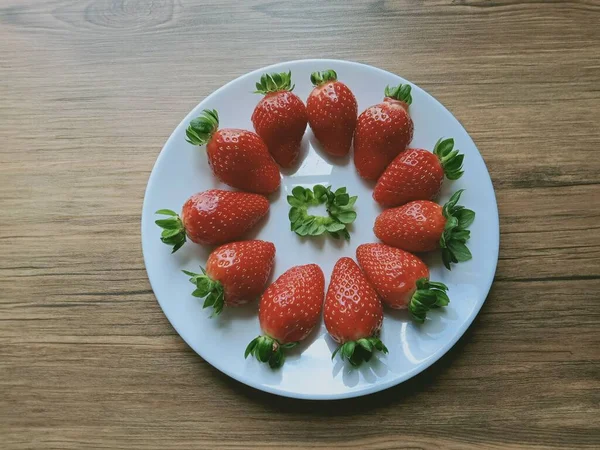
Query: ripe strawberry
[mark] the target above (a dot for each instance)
(417, 174)
(289, 310)
(353, 313)
(235, 274)
(401, 279)
(238, 158)
(280, 117)
(212, 217)
(422, 226)
(382, 132)
(332, 110)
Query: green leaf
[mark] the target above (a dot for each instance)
(201, 129)
(346, 216)
(299, 193)
(169, 224)
(348, 349)
(178, 245)
(335, 226)
(465, 218)
(294, 214)
(321, 229)
(342, 199)
(293, 201)
(364, 343)
(166, 212)
(459, 251)
(319, 191)
(351, 201)
(250, 348)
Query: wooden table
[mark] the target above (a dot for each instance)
(89, 92)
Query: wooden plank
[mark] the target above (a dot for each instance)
(91, 90)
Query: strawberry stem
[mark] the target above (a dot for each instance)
(209, 289)
(429, 295)
(400, 92)
(319, 78)
(268, 350)
(450, 159)
(203, 127)
(274, 82)
(360, 350)
(340, 211)
(455, 235)
(173, 229)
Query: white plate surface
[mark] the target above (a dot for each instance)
(182, 169)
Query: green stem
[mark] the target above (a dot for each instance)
(173, 229)
(319, 78)
(400, 92)
(268, 350)
(340, 210)
(274, 82)
(450, 159)
(201, 129)
(211, 290)
(429, 295)
(455, 235)
(360, 350)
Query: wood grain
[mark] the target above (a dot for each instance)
(90, 90)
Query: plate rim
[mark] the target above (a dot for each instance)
(353, 393)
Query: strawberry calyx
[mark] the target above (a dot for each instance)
(209, 289)
(340, 211)
(201, 129)
(456, 234)
(319, 78)
(268, 350)
(274, 82)
(450, 159)
(360, 350)
(173, 229)
(429, 295)
(400, 93)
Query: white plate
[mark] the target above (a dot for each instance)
(182, 169)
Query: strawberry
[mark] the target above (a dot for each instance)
(238, 158)
(422, 226)
(235, 274)
(332, 110)
(401, 279)
(288, 311)
(212, 217)
(382, 132)
(417, 174)
(280, 117)
(353, 313)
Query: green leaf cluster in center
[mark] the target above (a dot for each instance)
(340, 211)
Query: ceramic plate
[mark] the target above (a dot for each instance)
(182, 170)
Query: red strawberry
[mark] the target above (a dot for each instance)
(401, 279)
(238, 158)
(280, 117)
(353, 313)
(289, 310)
(422, 226)
(212, 217)
(417, 174)
(382, 132)
(332, 110)
(235, 274)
